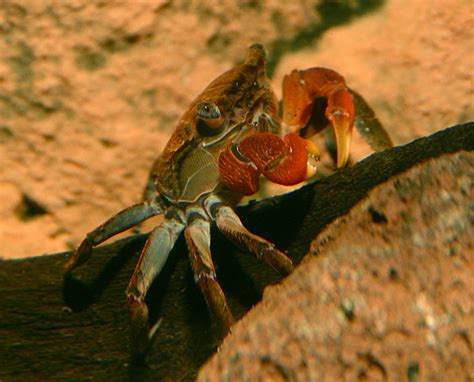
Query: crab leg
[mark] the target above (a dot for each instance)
(152, 259)
(368, 125)
(230, 225)
(302, 87)
(120, 222)
(198, 236)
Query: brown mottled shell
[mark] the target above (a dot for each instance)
(188, 166)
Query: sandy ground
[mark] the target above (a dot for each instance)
(90, 90)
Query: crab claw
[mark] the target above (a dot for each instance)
(285, 161)
(337, 112)
(302, 88)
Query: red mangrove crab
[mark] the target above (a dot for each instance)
(230, 136)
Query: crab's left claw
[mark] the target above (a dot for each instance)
(340, 112)
(302, 88)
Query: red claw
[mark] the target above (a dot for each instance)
(237, 172)
(301, 88)
(291, 166)
(283, 161)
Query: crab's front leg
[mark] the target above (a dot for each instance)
(120, 222)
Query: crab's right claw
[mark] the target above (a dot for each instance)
(302, 88)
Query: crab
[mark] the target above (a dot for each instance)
(230, 136)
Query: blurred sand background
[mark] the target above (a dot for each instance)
(91, 90)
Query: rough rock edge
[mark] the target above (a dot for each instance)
(387, 294)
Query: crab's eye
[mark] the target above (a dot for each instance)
(209, 119)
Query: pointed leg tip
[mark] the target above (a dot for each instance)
(141, 344)
(80, 255)
(153, 331)
(223, 323)
(70, 264)
(139, 338)
(288, 268)
(277, 260)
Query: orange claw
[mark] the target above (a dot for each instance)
(280, 161)
(283, 161)
(301, 88)
(237, 172)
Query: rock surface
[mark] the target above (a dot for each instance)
(91, 90)
(387, 293)
(76, 328)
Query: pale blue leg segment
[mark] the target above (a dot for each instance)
(124, 220)
(198, 240)
(152, 259)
